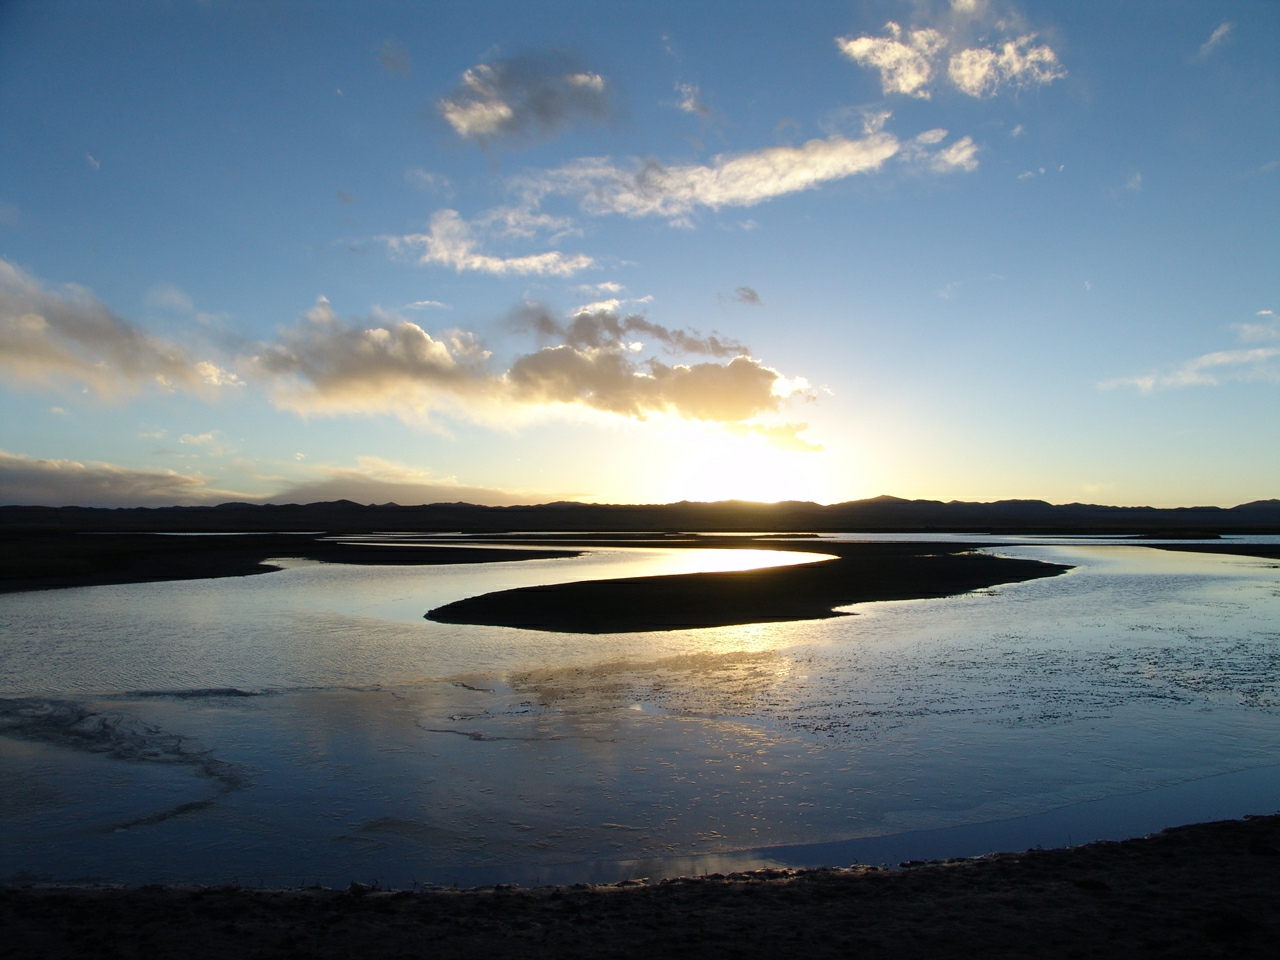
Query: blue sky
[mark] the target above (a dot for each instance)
(515, 252)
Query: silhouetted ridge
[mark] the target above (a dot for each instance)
(879, 514)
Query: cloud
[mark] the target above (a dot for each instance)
(524, 98)
(165, 296)
(48, 337)
(93, 164)
(426, 304)
(1256, 332)
(1219, 36)
(1208, 370)
(691, 100)
(748, 296)
(743, 180)
(452, 243)
(59, 483)
(785, 436)
(909, 61)
(904, 67)
(375, 480)
(981, 72)
(328, 366)
(603, 328)
(394, 58)
(1134, 183)
(608, 380)
(426, 180)
(325, 365)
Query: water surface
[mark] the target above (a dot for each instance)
(309, 725)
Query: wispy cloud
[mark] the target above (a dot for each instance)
(165, 296)
(48, 338)
(748, 296)
(58, 483)
(1221, 33)
(911, 61)
(524, 98)
(452, 243)
(1208, 370)
(691, 100)
(741, 180)
(426, 180)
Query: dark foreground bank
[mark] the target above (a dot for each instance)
(858, 573)
(1209, 890)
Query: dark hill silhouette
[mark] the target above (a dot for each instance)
(878, 514)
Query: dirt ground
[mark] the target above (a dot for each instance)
(1209, 890)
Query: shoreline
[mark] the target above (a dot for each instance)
(1209, 889)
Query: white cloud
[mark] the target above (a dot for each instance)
(981, 72)
(48, 338)
(525, 97)
(691, 100)
(743, 180)
(904, 67)
(426, 305)
(1219, 36)
(452, 243)
(910, 60)
(1134, 183)
(59, 483)
(93, 164)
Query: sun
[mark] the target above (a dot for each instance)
(715, 465)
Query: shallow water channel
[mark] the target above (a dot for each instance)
(310, 726)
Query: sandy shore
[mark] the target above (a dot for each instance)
(1208, 890)
(859, 573)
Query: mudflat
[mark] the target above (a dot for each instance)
(1207, 890)
(856, 573)
(47, 561)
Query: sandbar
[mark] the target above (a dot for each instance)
(856, 573)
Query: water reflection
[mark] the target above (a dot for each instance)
(381, 746)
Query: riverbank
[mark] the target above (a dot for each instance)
(1206, 890)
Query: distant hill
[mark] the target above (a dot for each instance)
(879, 514)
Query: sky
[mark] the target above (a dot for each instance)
(517, 252)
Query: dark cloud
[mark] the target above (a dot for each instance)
(604, 329)
(394, 58)
(525, 98)
(61, 483)
(747, 295)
